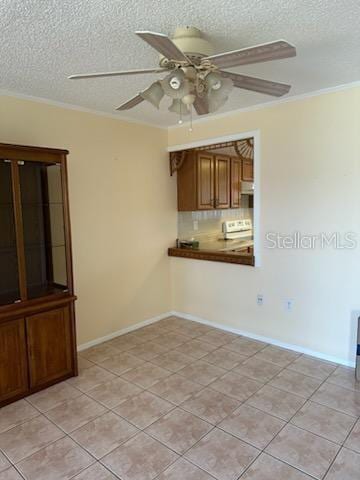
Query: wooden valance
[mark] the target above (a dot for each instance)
(243, 148)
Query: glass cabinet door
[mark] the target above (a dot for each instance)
(9, 277)
(43, 227)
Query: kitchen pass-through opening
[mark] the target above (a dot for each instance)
(217, 200)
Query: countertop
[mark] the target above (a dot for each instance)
(217, 249)
(221, 245)
(228, 256)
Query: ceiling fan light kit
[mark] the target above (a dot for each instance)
(194, 75)
(179, 107)
(153, 94)
(176, 85)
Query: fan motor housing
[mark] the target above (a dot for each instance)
(191, 41)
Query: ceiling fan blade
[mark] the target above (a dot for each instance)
(131, 103)
(260, 53)
(201, 106)
(257, 84)
(163, 45)
(117, 74)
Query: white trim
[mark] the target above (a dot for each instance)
(118, 333)
(205, 118)
(70, 106)
(271, 341)
(210, 141)
(271, 103)
(225, 328)
(255, 134)
(257, 198)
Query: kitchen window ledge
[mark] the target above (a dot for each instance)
(212, 256)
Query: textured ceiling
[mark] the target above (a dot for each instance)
(44, 41)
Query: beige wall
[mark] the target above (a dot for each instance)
(122, 210)
(310, 182)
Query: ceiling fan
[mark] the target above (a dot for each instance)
(195, 77)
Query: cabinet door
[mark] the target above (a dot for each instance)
(9, 274)
(49, 345)
(13, 361)
(222, 181)
(186, 183)
(235, 188)
(43, 220)
(205, 181)
(247, 170)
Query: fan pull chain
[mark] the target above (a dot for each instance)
(191, 119)
(180, 118)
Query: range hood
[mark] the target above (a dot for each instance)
(247, 188)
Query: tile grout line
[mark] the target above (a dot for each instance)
(179, 406)
(349, 434)
(171, 373)
(341, 448)
(301, 429)
(216, 426)
(289, 421)
(108, 410)
(262, 451)
(68, 435)
(242, 403)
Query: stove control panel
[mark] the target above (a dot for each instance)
(237, 225)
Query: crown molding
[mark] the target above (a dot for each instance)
(206, 118)
(70, 106)
(272, 103)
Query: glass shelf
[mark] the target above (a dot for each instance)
(36, 291)
(7, 298)
(42, 245)
(43, 225)
(9, 276)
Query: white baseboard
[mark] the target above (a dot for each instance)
(131, 328)
(193, 318)
(271, 341)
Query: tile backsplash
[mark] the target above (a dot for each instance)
(208, 222)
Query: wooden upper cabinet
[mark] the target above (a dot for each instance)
(49, 345)
(247, 170)
(235, 182)
(222, 181)
(205, 181)
(13, 360)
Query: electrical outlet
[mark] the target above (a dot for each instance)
(289, 304)
(195, 225)
(260, 299)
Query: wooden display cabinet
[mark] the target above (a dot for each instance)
(37, 320)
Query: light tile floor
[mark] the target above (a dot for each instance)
(182, 401)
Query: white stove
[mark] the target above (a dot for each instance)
(238, 229)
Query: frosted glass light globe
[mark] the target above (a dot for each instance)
(175, 83)
(188, 99)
